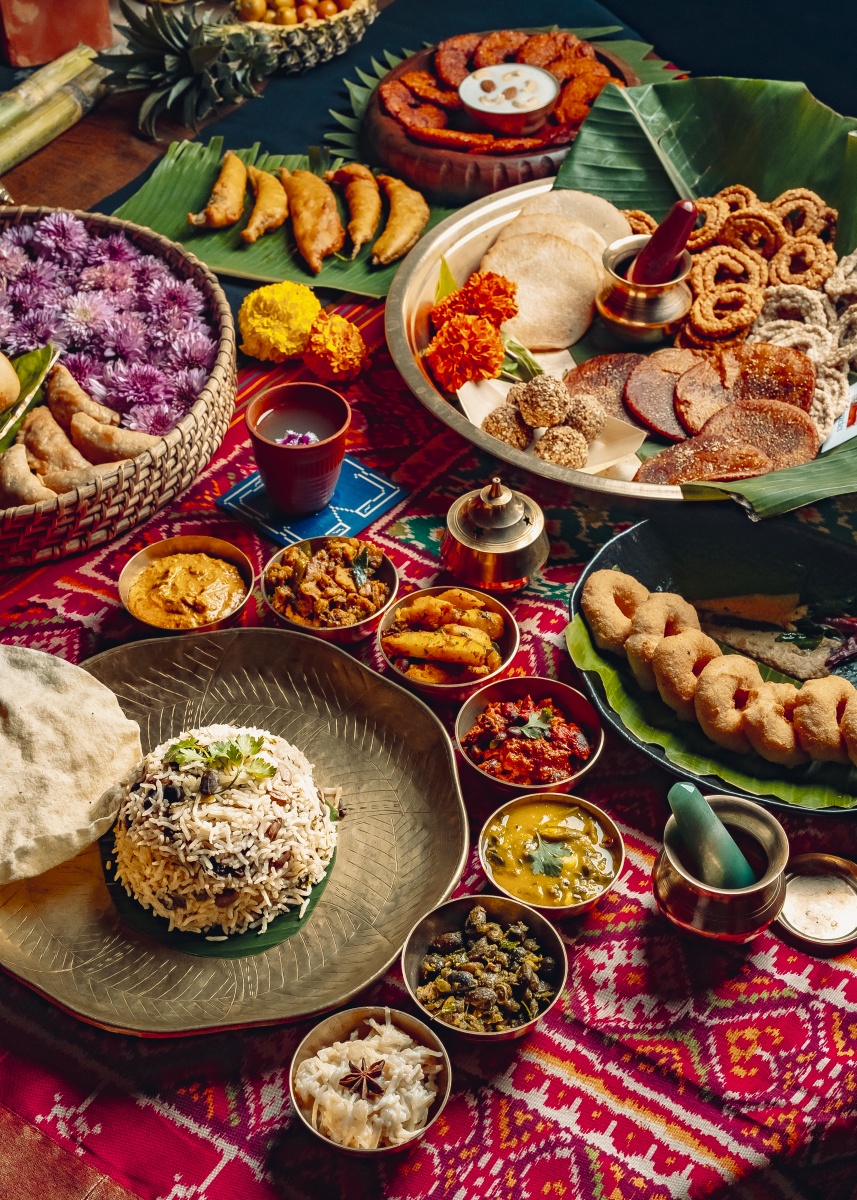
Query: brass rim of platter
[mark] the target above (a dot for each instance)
(462, 239)
(401, 849)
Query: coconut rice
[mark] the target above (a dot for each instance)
(227, 850)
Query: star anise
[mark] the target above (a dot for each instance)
(363, 1079)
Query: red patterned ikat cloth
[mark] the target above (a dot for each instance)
(670, 1068)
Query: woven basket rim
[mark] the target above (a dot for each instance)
(220, 372)
(358, 6)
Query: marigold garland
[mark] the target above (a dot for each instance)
(465, 348)
(486, 294)
(335, 349)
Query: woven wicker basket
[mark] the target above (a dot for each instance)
(302, 47)
(115, 503)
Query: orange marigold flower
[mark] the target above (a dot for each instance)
(465, 348)
(486, 294)
(334, 349)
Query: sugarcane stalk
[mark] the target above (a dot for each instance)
(54, 116)
(19, 101)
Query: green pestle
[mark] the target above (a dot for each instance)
(715, 857)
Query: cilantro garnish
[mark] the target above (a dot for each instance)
(538, 725)
(548, 857)
(240, 753)
(360, 567)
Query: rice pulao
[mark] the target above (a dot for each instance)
(223, 830)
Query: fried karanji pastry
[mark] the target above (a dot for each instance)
(270, 208)
(408, 216)
(363, 199)
(46, 444)
(61, 481)
(66, 397)
(452, 637)
(106, 444)
(18, 484)
(226, 202)
(315, 218)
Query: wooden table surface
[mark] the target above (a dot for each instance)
(98, 155)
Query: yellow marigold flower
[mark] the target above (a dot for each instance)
(334, 349)
(465, 348)
(275, 320)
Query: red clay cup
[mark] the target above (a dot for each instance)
(299, 479)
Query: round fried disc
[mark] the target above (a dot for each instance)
(770, 372)
(699, 394)
(649, 396)
(782, 431)
(704, 458)
(603, 378)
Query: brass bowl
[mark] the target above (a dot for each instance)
(338, 1028)
(641, 313)
(726, 914)
(187, 544)
(451, 916)
(340, 635)
(573, 703)
(508, 645)
(558, 911)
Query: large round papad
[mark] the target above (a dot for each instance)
(64, 744)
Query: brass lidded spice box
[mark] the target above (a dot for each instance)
(495, 538)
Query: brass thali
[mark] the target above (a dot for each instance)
(401, 848)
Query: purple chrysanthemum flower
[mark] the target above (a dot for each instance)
(7, 321)
(23, 297)
(62, 238)
(192, 349)
(157, 419)
(129, 384)
(125, 336)
(175, 295)
(87, 371)
(86, 316)
(109, 276)
(116, 247)
(12, 260)
(37, 274)
(165, 328)
(149, 268)
(17, 235)
(35, 328)
(188, 383)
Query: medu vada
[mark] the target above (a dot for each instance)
(662, 615)
(677, 663)
(819, 709)
(769, 724)
(609, 601)
(725, 688)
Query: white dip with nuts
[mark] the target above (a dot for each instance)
(509, 88)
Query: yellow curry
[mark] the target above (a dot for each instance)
(549, 854)
(185, 591)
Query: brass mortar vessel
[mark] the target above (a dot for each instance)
(641, 313)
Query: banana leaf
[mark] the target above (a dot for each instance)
(181, 184)
(31, 369)
(239, 945)
(643, 147)
(817, 785)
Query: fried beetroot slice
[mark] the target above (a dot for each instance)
(452, 57)
(699, 394)
(770, 372)
(497, 47)
(603, 378)
(649, 396)
(704, 458)
(782, 431)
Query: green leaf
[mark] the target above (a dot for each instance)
(260, 768)
(537, 725)
(360, 567)
(241, 945)
(650, 721)
(249, 745)
(641, 147)
(31, 369)
(548, 857)
(181, 183)
(446, 284)
(521, 363)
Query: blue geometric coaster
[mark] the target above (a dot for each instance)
(361, 497)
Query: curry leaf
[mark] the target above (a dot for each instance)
(360, 567)
(548, 857)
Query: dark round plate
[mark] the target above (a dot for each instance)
(698, 552)
(453, 177)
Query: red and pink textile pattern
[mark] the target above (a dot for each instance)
(670, 1068)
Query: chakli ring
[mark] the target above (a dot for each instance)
(715, 211)
(738, 197)
(754, 229)
(723, 313)
(720, 266)
(831, 397)
(794, 302)
(805, 259)
(846, 335)
(803, 211)
(841, 285)
(815, 341)
(639, 221)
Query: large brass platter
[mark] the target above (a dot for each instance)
(401, 849)
(462, 240)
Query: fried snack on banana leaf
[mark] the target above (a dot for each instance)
(271, 207)
(363, 198)
(315, 218)
(409, 214)
(226, 202)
